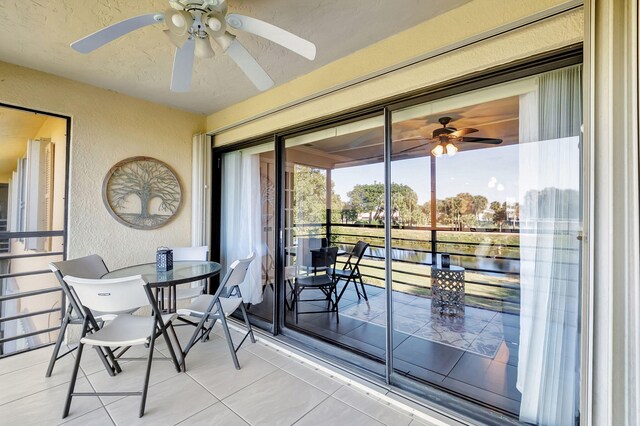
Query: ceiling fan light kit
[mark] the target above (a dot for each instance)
(438, 150)
(445, 138)
(191, 26)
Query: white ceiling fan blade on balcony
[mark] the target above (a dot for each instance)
(249, 65)
(183, 67)
(276, 34)
(100, 38)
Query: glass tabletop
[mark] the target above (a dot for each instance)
(182, 272)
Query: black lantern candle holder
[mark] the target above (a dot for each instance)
(164, 259)
(445, 260)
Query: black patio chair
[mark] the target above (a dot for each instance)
(323, 261)
(351, 271)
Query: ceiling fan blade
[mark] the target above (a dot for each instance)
(414, 138)
(462, 132)
(183, 67)
(413, 148)
(249, 65)
(100, 38)
(490, 141)
(276, 34)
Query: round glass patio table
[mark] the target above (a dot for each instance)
(182, 272)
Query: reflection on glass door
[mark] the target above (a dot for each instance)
(334, 197)
(486, 266)
(247, 222)
(33, 151)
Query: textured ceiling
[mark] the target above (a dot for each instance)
(37, 33)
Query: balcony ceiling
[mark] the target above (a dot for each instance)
(37, 34)
(16, 127)
(493, 119)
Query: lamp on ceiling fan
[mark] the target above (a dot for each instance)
(446, 138)
(191, 26)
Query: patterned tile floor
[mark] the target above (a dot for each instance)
(474, 355)
(479, 331)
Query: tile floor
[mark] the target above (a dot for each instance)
(475, 355)
(273, 387)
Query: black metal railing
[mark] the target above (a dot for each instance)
(4, 242)
(14, 305)
(488, 286)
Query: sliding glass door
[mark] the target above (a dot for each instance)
(486, 192)
(248, 222)
(334, 186)
(447, 253)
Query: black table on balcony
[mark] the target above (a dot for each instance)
(183, 272)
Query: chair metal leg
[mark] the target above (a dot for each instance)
(56, 349)
(364, 292)
(72, 384)
(296, 295)
(110, 365)
(175, 336)
(207, 333)
(335, 291)
(76, 367)
(355, 285)
(114, 360)
(286, 304)
(107, 366)
(170, 346)
(223, 321)
(346, 284)
(145, 387)
(247, 323)
(194, 337)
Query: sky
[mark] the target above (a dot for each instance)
(489, 172)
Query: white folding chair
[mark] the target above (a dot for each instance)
(118, 296)
(218, 306)
(91, 266)
(186, 291)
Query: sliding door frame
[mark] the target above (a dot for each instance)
(216, 218)
(460, 404)
(362, 364)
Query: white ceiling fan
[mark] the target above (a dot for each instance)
(192, 25)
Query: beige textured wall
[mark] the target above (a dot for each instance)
(472, 19)
(106, 128)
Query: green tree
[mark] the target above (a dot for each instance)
(450, 211)
(499, 213)
(368, 198)
(406, 210)
(337, 205)
(310, 201)
(426, 212)
(310, 188)
(479, 203)
(466, 203)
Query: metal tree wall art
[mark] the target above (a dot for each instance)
(142, 192)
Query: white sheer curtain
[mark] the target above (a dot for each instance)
(241, 218)
(201, 190)
(550, 223)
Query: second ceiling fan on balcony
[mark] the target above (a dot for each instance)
(446, 138)
(191, 26)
